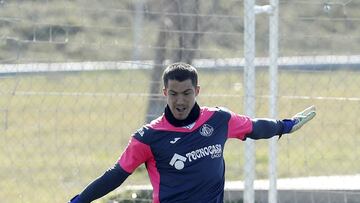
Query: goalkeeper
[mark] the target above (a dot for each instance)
(183, 148)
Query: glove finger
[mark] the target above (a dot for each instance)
(302, 119)
(306, 111)
(310, 116)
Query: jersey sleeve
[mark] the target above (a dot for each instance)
(239, 126)
(135, 154)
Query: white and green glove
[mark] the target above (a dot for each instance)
(298, 120)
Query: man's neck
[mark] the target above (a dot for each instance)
(191, 118)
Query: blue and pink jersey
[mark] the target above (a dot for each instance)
(186, 164)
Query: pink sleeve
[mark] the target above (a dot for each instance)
(239, 126)
(134, 155)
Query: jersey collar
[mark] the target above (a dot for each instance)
(192, 117)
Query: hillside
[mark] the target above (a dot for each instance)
(80, 30)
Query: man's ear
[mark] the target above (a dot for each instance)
(197, 90)
(164, 91)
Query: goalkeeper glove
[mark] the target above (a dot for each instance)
(297, 121)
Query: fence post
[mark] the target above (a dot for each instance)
(249, 78)
(273, 55)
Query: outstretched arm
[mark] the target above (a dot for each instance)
(267, 128)
(264, 128)
(104, 184)
(134, 155)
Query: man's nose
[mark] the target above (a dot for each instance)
(180, 100)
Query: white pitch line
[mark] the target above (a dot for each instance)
(113, 94)
(323, 98)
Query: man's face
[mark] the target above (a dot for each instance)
(180, 97)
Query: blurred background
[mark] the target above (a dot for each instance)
(78, 77)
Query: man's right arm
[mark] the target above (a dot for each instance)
(133, 156)
(104, 184)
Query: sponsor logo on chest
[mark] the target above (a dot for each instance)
(214, 151)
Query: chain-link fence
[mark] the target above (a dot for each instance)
(77, 78)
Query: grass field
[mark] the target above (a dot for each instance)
(59, 131)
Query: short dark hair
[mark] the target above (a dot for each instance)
(180, 72)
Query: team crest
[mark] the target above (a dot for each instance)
(206, 130)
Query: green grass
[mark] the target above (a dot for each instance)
(63, 130)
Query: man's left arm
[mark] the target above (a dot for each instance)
(266, 128)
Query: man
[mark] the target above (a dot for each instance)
(183, 148)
